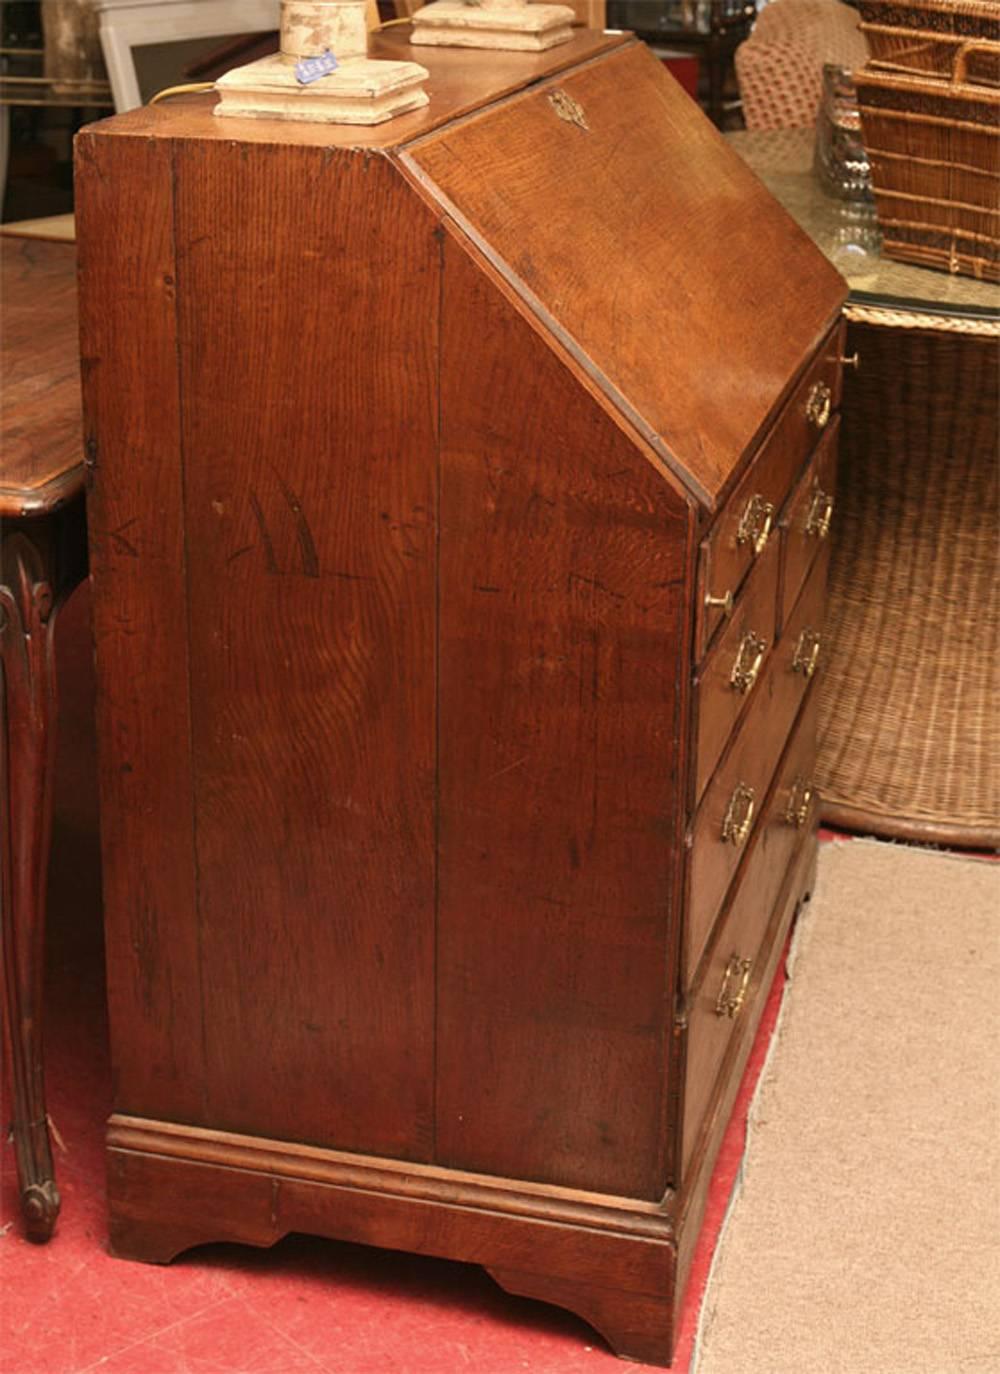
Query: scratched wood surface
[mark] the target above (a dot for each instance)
(652, 248)
(563, 564)
(310, 477)
(41, 428)
(140, 610)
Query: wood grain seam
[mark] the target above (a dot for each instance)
(568, 344)
(186, 575)
(567, 358)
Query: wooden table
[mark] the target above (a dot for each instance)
(42, 558)
(909, 730)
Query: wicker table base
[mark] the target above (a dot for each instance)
(910, 723)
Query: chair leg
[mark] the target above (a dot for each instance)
(27, 715)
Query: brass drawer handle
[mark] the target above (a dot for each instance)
(853, 361)
(820, 514)
(746, 667)
(737, 972)
(739, 815)
(755, 523)
(800, 801)
(724, 602)
(806, 658)
(819, 405)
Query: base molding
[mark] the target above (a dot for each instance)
(612, 1261)
(619, 1263)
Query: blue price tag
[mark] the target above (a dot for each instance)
(309, 69)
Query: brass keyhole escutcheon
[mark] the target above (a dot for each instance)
(747, 664)
(755, 523)
(806, 658)
(739, 815)
(568, 109)
(735, 982)
(819, 405)
(820, 515)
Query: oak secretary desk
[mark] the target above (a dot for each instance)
(459, 499)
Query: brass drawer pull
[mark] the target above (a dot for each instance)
(820, 514)
(819, 405)
(724, 602)
(800, 801)
(749, 657)
(806, 659)
(737, 972)
(853, 361)
(739, 815)
(755, 523)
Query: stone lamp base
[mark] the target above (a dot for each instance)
(515, 25)
(360, 91)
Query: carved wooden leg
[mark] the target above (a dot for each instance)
(637, 1326)
(27, 714)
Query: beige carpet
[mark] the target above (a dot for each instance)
(865, 1235)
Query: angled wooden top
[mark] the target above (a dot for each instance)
(41, 430)
(633, 233)
(461, 79)
(629, 226)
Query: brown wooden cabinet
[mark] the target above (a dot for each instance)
(451, 826)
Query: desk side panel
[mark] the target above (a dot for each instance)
(128, 342)
(309, 288)
(564, 641)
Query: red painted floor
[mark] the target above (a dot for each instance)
(306, 1305)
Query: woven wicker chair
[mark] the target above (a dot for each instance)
(780, 66)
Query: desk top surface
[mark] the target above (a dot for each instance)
(848, 233)
(41, 442)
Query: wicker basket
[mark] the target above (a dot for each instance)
(909, 717)
(926, 37)
(934, 149)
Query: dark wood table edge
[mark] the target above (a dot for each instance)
(43, 557)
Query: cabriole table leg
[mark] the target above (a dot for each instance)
(40, 562)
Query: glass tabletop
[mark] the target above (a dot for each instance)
(848, 233)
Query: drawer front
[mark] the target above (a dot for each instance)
(730, 677)
(731, 980)
(807, 520)
(723, 828)
(751, 514)
(730, 811)
(799, 654)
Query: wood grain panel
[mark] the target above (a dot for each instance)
(309, 287)
(562, 644)
(129, 358)
(651, 247)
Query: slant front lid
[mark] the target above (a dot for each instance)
(621, 216)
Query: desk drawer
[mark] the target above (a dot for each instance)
(807, 520)
(730, 811)
(731, 675)
(741, 532)
(731, 978)
(723, 830)
(799, 655)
